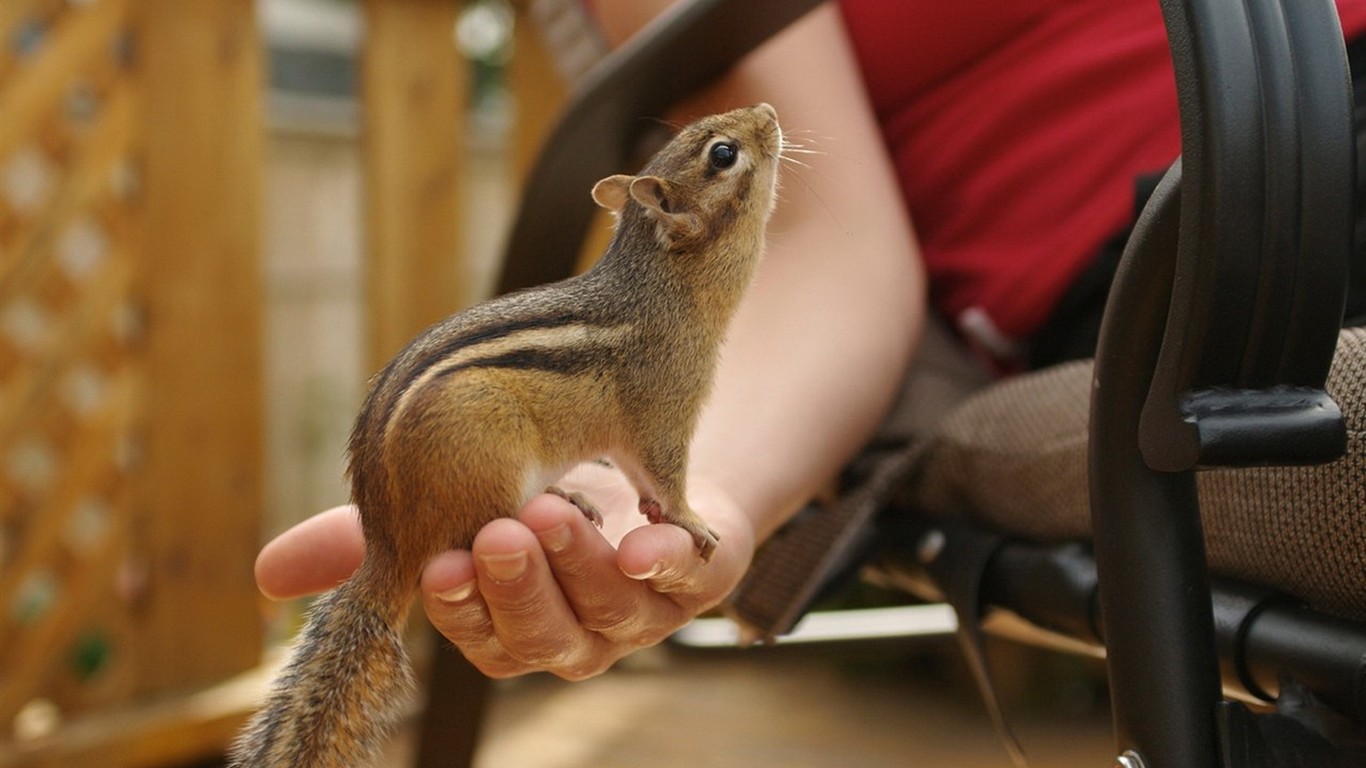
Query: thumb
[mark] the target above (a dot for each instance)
(313, 556)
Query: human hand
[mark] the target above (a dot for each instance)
(546, 591)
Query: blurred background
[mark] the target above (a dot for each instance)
(217, 217)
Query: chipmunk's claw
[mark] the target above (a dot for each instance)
(706, 540)
(579, 500)
(652, 511)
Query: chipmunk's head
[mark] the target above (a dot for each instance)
(716, 177)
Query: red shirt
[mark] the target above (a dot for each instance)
(1018, 129)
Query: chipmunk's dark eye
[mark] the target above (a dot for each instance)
(723, 155)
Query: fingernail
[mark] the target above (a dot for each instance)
(648, 573)
(504, 568)
(457, 594)
(556, 539)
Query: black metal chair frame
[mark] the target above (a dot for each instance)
(1216, 344)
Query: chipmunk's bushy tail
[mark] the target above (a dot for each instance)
(343, 689)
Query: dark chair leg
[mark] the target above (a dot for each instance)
(457, 698)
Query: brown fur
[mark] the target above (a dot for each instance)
(483, 410)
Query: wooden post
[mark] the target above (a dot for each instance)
(537, 89)
(200, 65)
(413, 84)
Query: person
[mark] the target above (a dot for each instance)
(1011, 133)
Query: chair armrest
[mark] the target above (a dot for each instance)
(674, 56)
(1266, 237)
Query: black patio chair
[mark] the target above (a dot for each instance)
(1220, 348)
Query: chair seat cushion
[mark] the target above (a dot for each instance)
(1013, 457)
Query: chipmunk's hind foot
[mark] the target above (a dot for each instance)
(703, 536)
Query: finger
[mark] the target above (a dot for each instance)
(660, 551)
(517, 621)
(606, 601)
(313, 556)
(450, 596)
(666, 558)
(531, 617)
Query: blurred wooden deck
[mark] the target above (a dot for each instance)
(861, 704)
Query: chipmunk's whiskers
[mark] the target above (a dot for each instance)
(789, 147)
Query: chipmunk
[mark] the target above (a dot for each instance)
(488, 407)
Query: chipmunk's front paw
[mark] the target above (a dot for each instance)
(705, 538)
(579, 500)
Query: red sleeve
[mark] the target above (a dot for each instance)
(1018, 130)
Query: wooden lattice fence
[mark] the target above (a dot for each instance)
(129, 357)
(69, 354)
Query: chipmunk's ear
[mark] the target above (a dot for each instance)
(653, 193)
(658, 198)
(612, 192)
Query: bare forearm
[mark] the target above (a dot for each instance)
(810, 367)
